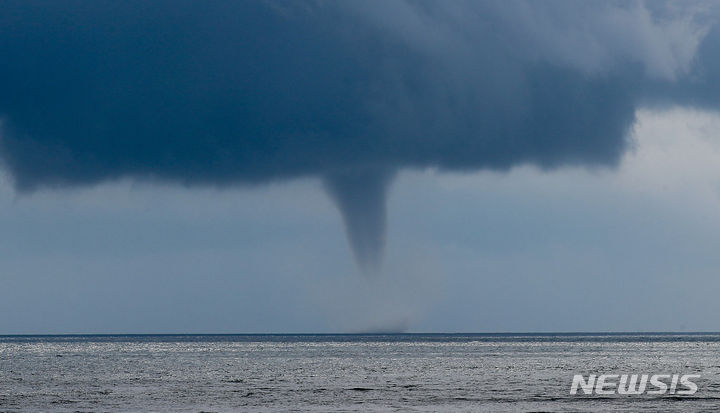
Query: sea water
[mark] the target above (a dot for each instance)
(404, 372)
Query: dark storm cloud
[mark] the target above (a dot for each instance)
(223, 93)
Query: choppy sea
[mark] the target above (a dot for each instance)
(395, 372)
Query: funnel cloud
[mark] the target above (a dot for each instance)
(360, 196)
(235, 93)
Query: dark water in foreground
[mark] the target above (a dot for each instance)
(434, 372)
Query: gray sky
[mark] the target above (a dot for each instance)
(626, 248)
(226, 167)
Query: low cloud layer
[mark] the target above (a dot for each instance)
(228, 93)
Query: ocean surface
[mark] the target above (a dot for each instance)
(403, 372)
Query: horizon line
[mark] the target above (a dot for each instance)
(378, 333)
